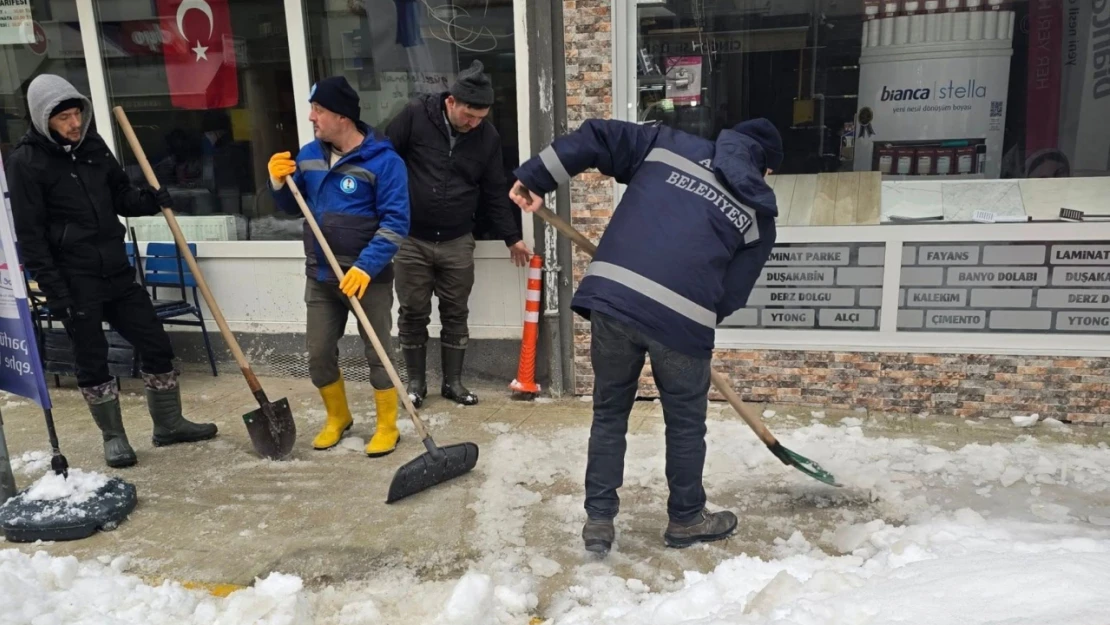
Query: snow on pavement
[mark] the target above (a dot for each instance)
(1015, 532)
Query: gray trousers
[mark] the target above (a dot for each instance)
(328, 310)
(446, 269)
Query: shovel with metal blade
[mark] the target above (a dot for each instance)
(789, 458)
(439, 464)
(271, 427)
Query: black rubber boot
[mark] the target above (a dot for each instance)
(707, 527)
(416, 366)
(163, 398)
(453, 389)
(103, 403)
(598, 534)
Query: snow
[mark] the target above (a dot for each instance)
(31, 462)
(1025, 421)
(924, 532)
(77, 488)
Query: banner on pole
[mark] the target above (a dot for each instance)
(20, 365)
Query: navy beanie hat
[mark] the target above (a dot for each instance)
(336, 95)
(767, 136)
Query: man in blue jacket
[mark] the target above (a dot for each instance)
(682, 251)
(357, 188)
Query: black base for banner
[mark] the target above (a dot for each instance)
(29, 521)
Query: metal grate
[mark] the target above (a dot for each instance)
(354, 367)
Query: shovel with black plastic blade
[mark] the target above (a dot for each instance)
(803, 464)
(271, 427)
(439, 464)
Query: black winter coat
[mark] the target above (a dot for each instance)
(447, 186)
(66, 208)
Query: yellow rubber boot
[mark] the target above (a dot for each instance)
(339, 415)
(386, 435)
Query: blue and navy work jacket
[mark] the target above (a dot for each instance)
(689, 238)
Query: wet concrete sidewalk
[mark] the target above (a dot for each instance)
(214, 512)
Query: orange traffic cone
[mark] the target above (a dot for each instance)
(525, 382)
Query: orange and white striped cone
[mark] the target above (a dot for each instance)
(525, 381)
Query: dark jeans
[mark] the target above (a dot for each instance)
(617, 355)
(328, 312)
(126, 306)
(446, 269)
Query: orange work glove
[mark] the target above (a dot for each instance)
(281, 165)
(354, 283)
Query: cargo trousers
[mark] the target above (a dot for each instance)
(445, 268)
(328, 311)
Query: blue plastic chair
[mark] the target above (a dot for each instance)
(165, 268)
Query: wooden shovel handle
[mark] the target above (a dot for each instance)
(719, 380)
(359, 312)
(182, 244)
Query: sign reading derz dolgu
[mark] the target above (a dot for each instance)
(810, 286)
(993, 286)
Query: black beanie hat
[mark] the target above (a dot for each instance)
(768, 138)
(65, 105)
(336, 95)
(473, 87)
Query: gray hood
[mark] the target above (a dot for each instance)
(47, 91)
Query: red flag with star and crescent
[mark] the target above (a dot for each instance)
(199, 53)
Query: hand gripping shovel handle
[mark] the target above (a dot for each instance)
(179, 238)
(361, 314)
(719, 381)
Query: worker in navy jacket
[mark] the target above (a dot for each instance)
(682, 251)
(357, 188)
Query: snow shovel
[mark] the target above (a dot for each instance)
(803, 464)
(271, 427)
(438, 464)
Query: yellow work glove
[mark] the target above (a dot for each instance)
(354, 283)
(281, 165)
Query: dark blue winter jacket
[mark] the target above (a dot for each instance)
(361, 204)
(689, 238)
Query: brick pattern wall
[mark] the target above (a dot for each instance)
(967, 385)
(589, 73)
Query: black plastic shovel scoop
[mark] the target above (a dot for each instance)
(271, 427)
(438, 464)
(789, 458)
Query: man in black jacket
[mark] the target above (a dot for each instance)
(67, 194)
(454, 164)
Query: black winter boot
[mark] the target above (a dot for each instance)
(416, 365)
(598, 534)
(103, 401)
(163, 398)
(706, 527)
(452, 363)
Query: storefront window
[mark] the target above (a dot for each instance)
(207, 86)
(920, 99)
(47, 43)
(393, 50)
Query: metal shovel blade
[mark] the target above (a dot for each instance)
(437, 465)
(272, 429)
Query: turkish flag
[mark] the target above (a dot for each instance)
(199, 53)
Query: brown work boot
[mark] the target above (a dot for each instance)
(706, 527)
(598, 535)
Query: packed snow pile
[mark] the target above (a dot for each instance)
(77, 488)
(41, 590)
(1014, 532)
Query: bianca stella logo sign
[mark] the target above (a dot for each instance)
(952, 91)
